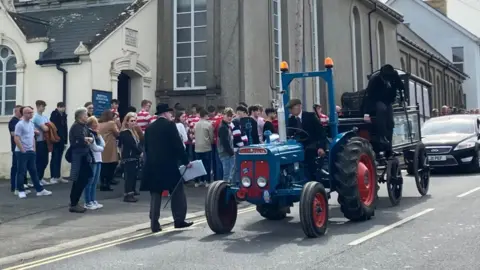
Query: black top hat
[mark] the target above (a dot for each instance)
(162, 108)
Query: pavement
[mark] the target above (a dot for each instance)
(35, 226)
(438, 231)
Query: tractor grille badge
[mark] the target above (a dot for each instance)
(266, 196)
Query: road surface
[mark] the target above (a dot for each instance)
(440, 231)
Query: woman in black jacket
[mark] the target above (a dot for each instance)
(80, 156)
(130, 152)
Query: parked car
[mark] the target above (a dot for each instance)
(453, 141)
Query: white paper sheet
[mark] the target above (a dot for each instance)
(193, 172)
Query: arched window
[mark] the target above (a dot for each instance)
(402, 64)
(357, 49)
(8, 80)
(381, 45)
(422, 73)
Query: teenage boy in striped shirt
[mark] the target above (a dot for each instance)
(144, 118)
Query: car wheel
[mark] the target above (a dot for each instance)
(475, 165)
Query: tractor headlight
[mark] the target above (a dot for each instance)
(262, 182)
(246, 182)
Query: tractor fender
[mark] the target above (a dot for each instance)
(335, 145)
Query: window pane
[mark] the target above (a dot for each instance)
(201, 18)
(459, 66)
(200, 5)
(277, 64)
(184, 80)
(11, 78)
(183, 50)
(277, 50)
(184, 20)
(200, 48)
(275, 22)
(200, 79)
(10, 92)
(9, 107)
(275, 36)
(200, 33)
(200, 64)
(457, 54)
(275, 7)
(184, 64)
(183, 5)
(4, 52)
(184, 35)
(11, 64)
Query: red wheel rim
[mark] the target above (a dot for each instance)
(366, 179)
(319, 210)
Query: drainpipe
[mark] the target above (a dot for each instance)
(64, 90)
(370, 35)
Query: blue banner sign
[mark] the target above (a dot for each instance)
(101, 101)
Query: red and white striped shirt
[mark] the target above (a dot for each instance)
(143, 119)
(323, 119)
(191, 121)
(115, 112)
(216, 121)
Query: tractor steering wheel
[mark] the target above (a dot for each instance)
(296, 135)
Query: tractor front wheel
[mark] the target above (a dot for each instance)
(356, 179)
(221, 211)
(314, 209)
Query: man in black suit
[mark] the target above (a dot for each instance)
(164, 152)
(306, 128)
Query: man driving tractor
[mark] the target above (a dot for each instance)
(308, 130)
(382, 91)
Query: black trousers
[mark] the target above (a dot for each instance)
(310, 166)
(107, 173)
(178, 204)
(130, 176)
(384, 122)
(42, 158)
(79, 185)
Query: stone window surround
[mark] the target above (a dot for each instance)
(10, 43)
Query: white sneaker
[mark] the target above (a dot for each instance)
(207, 184)
(197, 184)
(44, 182)
(22, 195)
(61, 180)
(90, 206)
(44, 192)
(98, 205)
(26, 187)
(30, 185)
(54, 181)
(26, 192)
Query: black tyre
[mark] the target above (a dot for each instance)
(474, 167)
(421, 169)
(271, 211)
(394, 181)
(356, 179)
(314, 209)
(221, 213)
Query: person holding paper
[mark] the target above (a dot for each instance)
(164, 152)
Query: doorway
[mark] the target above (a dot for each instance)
(123, 94)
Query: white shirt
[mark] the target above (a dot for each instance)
(183, 132)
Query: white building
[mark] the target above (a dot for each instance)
(64, 54)
(449, 38)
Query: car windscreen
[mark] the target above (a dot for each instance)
(437, 127)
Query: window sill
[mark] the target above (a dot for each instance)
(5, 118)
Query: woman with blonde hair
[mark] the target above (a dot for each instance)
(129, 142)
(96, 147)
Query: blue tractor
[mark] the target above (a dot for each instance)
(272, 176)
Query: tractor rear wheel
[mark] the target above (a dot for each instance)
(356, 179)
(271, 211)
(314, 209)
(220, 211)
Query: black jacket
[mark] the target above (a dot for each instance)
(225, 140)
(384, 89)
(316, 137)
(60, 121)
(130, 147)
(164, 152)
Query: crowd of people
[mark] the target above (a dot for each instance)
(446, 110)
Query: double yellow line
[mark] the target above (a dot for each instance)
(105, 245)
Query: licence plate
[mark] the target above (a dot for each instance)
(437, 158)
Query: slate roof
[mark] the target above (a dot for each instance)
(65, 28)
(413, 39)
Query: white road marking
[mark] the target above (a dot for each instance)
(389, 227)
(468, 192)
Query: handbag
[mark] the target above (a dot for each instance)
(68, 155)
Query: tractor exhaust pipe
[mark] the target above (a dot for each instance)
(282, 130)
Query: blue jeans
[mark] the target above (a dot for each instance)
(56, 161)
(90, 191)
(13, 173)
(27, 162)
(206, 159)
(216, 164)
(228, 164)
